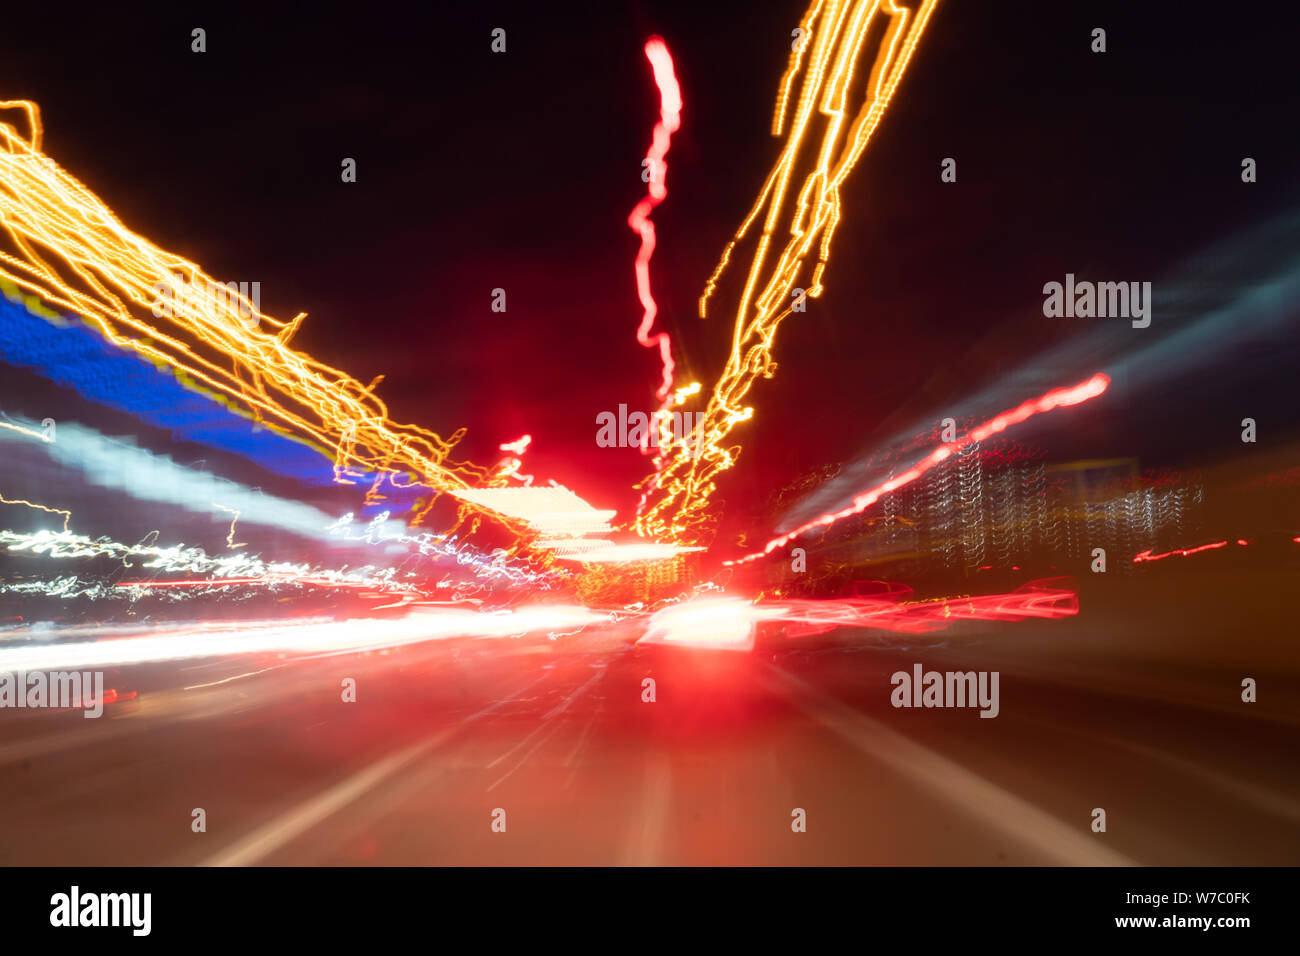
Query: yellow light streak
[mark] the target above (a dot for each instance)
(230, 538)
(23, 431)
(829, 53)
(67, 515)
(62, 243)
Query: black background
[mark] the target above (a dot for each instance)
(478, 171)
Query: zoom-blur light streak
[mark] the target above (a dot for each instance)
(656, 168)
(236, 567)
(1046, 600)
(729, 623)
(1181, 553)
(670, 119)
(168, 643)
(120, 465)
(67, 515)
(1057, 398)
(828, 50)
(237, 564)
(723, 623)
(73, 253)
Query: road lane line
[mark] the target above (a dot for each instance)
(582, 737)
(558, 709)
(1257, 796)
(646, 837)
(524, 759)
(271, 836)
(999, 809)
(544, 725)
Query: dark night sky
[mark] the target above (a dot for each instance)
(479, 170)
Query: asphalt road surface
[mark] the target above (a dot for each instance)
(1133, 707)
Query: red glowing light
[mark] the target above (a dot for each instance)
(729, 623)
(670, 108)
(1182, 553)
(896, 611)
(1057, 398)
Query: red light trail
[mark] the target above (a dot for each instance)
(329, 405)
(1057, 398)
(1147, 556)
(843, 42)
(728, 623)
(1182, 553)
(670, 119)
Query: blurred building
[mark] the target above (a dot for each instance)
(1001, 507)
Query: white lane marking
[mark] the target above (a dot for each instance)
(545, 725)
(271, 836)
(1017, 819)
(1254, 795)
(582, 737)
(646, 837)
(50, 743)
(227, 680)
(558, 709)
(524, 759)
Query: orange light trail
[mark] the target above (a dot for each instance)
(23, 431)
(67, 515)
(67, 247)
(835, 33)
(230, 538)
(1057, 398)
